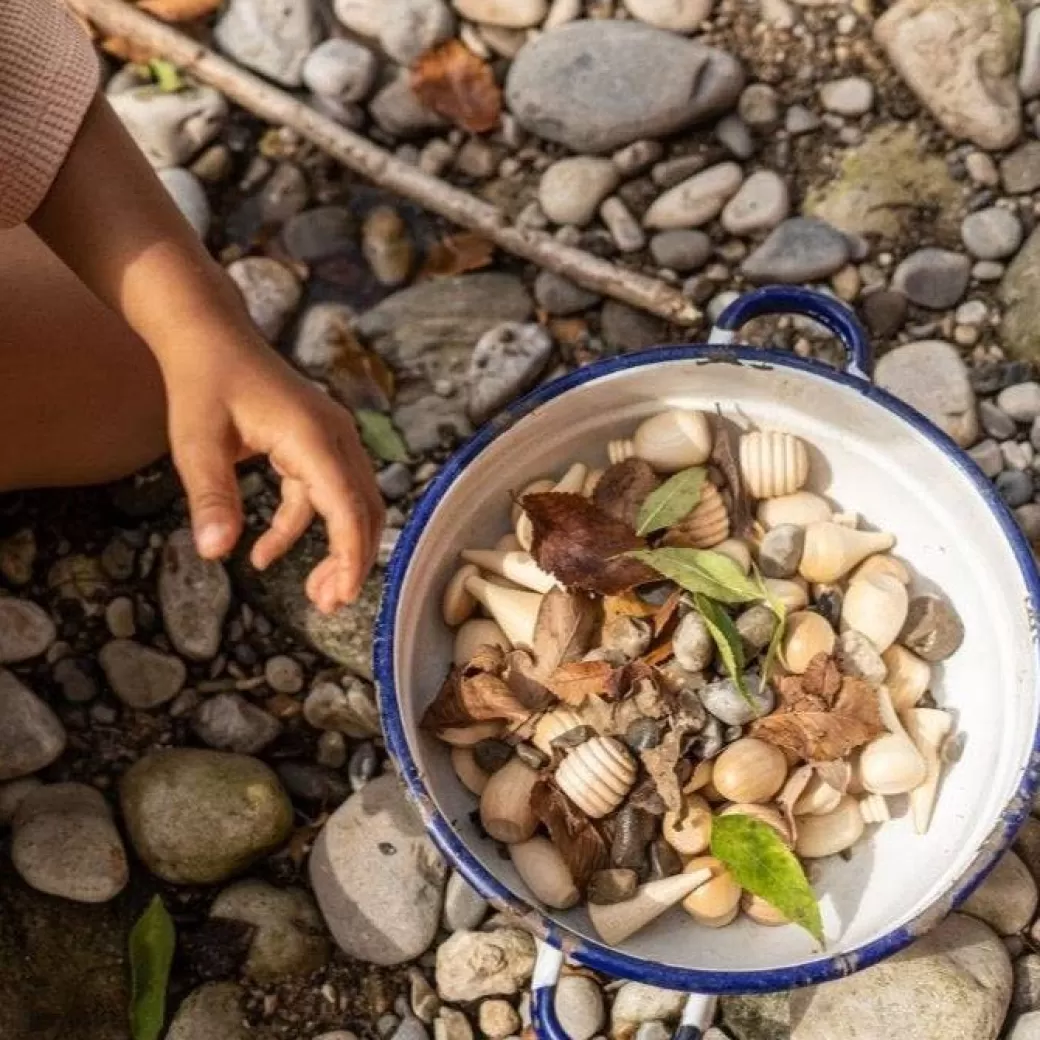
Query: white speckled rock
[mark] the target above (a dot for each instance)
(961, 968)
(1007, 899)
(471, 965)
(269, 36)
(31, 735)
(506, 361)
(378, 878)
(571, 189)
(194, 595)
(676, 15)
(931, 377)
(270, 290)
(509, 14)
(696, 200)
(762, 202)
(991, 234)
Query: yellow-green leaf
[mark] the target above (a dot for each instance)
(380, 437)
(778, 633)
(166, 75)
(671, 502)
(700, 570)
(762, 864)
(728, 641)
(152, 941)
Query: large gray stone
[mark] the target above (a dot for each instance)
(506, 361)
(1020, 294)
(141, 677)
(194, 595)
(960, 58)
(799, 250)
(377, 876)
(31, 735)
(269, 36)
(597, 85)
(197, 817)
(1006, 900)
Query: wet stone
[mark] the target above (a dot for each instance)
(933, 278)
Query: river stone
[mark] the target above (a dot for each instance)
(960, 58)
(194, 595)
(560, 296)
(696, 200)
(426, 332)
(962, 967)
(637, 1002)
(398, 111)
(31, 736)
(991, 234)
(681, 250)
(290, 936)
(1020, 294)
(198, 817)
(318, 233)
(323, 336)
(189, 195)
(571, 189)
(409, 28)
(170, 127)
(1026, 1027)
(680, 16)
(1020, 171)
(377, 876)
(851, 96)
(141, 677)
(269, 36)
(1007, 899)
(228, 722)
(931, 376)
(341, 69)
(801, 249)
(596, 85)
(625, 328)
(212, 1012)
(12, 794)
(63, 970)
(757, 1017)
(270, 290)
(1029, 70)
(471, 965)
(887, 186)
(506, 361)
(26, 631)
(64, 842)
(762, 202)
(579, 1007)
(464, 907)
(933, 278)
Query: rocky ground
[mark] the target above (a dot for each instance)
(192, 730)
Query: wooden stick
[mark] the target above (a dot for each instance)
(117, 18)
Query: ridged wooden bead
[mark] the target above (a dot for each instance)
(773, 463)
(597, 775)
(707, 524)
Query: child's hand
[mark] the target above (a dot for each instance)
(230, 401)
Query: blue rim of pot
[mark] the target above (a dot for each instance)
(595, 955)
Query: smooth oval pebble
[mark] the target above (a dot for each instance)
(725, 702)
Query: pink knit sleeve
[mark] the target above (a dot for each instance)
(48, 76)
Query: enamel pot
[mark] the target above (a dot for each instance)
(872, 454)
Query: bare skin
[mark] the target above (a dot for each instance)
(120, 337)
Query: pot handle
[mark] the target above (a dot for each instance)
(789, 299)
(697, 1015)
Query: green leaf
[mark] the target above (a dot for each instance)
(700, 570)
(761, 863)
(778, 633)
(151, 952)
(166, 75)
(380, 437)
(671, 502)
(727, 639)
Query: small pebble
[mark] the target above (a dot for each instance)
(852, 96)
(1016, 488)
(623, 227)
(1020, 170)
(885, 312)
(497, 1019)
(362, 765)
(681, 250)
(464, 907)
(800, 120)
(1028, 517)
(331, 751)
(735, 137)
(395, 481)
(1017, 455)
(781, 551)
(762, 202)
(284, 674)
(1021, 402)
(759, 105)
(988, 457)
(995, 421)
(991, 234)
(119, 616)
(933, 278)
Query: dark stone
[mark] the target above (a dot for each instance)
(884, 312)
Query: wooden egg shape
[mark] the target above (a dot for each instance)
(597, 775)
(891, 765)
(749, 770)
(792, 594)
(706, 525)
(882, 563)
(909, 676)
(826, 835)
(515, 610)
(457, 604)
(471, 735)
(761, 912)
(715, 903)
(807, 635)
(616, 922)
(876, 606)
(551, 725)
(536, 487)
(505, 805)
(738, 551)
(519, 567)
(674, 440)
(773, 463)
(689, 831)
(473, 778)
(929, 729)
(475, 633)
(831, 551)
(542, 868)
(767, 814)
(801, 508)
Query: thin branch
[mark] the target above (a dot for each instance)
(116, 18)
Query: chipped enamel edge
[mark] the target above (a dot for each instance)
(595, 955)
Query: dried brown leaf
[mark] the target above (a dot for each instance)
(624, 680)
(452, 81)
(457, 254)
(487, 697)
(822, 678)
(574, 834)
(572, 683)
(626, 604)
(524, 679)
(659, 654)
(486, 658)
(564, 629)
(724, 454)
(447, 709)
(667, 615)
(471, 695)
(662, 763)
(822, 736)
(583, 546)
(358, 378)
(568, 332)
(623, 489)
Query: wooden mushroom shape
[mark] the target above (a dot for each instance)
(616, 922)
(473, 778)
(519, 567)
(458, 604)
(688, 831)
(749, 770)
(831, 551)
(670, 441)
(791, 593)
(807, 635)
(929, 729)
(551, 725)
(834, 832)
(515, 610)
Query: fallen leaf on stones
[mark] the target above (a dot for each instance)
(380, 436)
(453, 82)
(625, 681)
(822, 678)
(727, 641)
(667, 613)
(358, 378)
(596, 712)
(166, 75)
(574, 834)
(152, 941)
(626, 604)
(823, 735)
(623, 489)
(457, 254)
(469, 695)
(564, 629)
(659, 654)
(568, 332)
(583, 546)
(572, 683)
(701, 571)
